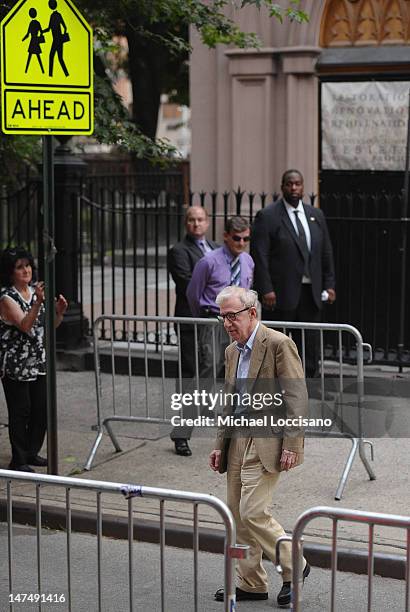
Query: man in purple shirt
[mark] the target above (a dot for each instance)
(228, 265)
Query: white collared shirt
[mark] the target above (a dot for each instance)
(245, 352)
(302, 216)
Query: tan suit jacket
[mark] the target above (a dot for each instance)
(274, 357)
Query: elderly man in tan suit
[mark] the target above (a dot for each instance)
(253, 456)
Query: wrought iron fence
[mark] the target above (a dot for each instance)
(125, 173)
(125, 238)
(20, 221)
(366, 232)
(125, 234)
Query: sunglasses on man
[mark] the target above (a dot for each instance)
(237, 238)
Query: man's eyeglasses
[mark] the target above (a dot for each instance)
(231, 316)
(237, 238)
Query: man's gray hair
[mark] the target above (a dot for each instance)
(248, 297)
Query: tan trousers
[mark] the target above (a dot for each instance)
(250, 494)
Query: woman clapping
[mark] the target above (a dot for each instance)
(22, 356)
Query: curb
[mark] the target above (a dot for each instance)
(180, 536)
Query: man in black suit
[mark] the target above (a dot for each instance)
(182, 258)
(294, 269)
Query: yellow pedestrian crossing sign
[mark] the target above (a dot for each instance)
(46, 69)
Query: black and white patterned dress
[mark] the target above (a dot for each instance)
(22, 355)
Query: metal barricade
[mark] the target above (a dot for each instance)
(158, 328)
(130, 492)
(342, 514)
(357, 441)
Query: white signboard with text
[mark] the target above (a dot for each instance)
(364, 125)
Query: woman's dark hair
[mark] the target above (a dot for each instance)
(8, 260)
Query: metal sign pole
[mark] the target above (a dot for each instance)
(49, 277)
(404, 225)
(57, 98)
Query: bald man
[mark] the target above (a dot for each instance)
(182, 258)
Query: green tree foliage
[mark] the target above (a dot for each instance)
(158, 42)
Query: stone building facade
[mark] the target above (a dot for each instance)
(257, 112)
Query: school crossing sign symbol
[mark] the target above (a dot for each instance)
(46, 69)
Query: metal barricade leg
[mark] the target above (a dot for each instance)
(10, 539)
(297, 582)
(347, 468)
(297, 566)
(97, 442)
(110, 432)
(229, 582)
(93, 451)
(407, 595)
(364, 459)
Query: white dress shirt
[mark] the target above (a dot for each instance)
(302, 217)
(244, 361)
(245, 352)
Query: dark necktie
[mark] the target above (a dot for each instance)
(236, 271)
(202, 246)
(303, 243)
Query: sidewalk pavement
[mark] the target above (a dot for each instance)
(148, 459)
